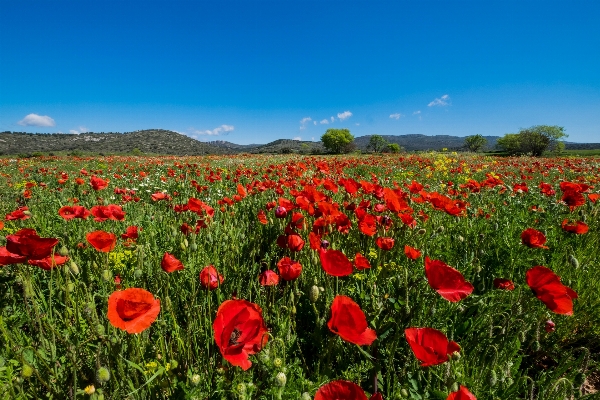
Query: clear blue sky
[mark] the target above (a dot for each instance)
(256, 71)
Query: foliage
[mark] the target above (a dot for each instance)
(394, 148)
(534, 140)
(475, 142)
(338, 140)
(377, 144)
(469, 212)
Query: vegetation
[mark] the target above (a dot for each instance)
(377, 144)
(338, 141)
(534, 141)
(266, 277)
(475, 143)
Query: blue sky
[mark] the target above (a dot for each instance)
(256, 71)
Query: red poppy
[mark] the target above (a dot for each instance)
(368, 224)
(534, 239)
(361, 262)
(210, 278)
(133, 309)
(70, 212)
(268, 278)
(240, 331)
(289, 269)
(461, 394)
(547, 287)
(504, 284)
(98, 183)
(102, 241)
(6, 257)
(112, 211)
(411, 252)
(593, 197)
(170, 264)
(550, 326)
(334, 262)
(315, 241)
(578, 227)
(385, 243)
(19, 214)
(131, 233)
(158, 196)
(27, 243)
(430, 346)
(345, 390)
(262, 218)
(447, 281)
(49, 262)
(349, 322)
(573, 199)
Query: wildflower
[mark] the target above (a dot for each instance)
(578, 227)
(289, 269)
(504, 284)
(340, 389)
(547, 287)
(89, 390)
(430, 346)
(385, 243)
(210, 278)
(268, 278)
(447, 281)
(335, 263)
(411, 252)
(27, 243)
(349, 322)
(462, 394)
(133, 309)
(534, 239)
(103, 375)
(170, 264)
(361, 262)
(102, 241)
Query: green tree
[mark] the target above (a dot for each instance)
(475, 142)
(376, 144)
(394, 148)
(534, 140)
(337, 140)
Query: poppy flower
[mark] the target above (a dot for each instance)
(289, 269)
(534, 239)
(504, 284)
(340, 390)
(314, 240)
(18, 214)
(593, 197)
(349, 322)
(411, 252)
(27, 243)
(71, 212)
(447, 281)
(368, 224)
(158, 196)
(573, 199)
(6, 257)
(385, 243)
(112, 211)
(550, 326)
(430, 346)
(293, 242)
(170, 264)
(131, 233)
(268, 278)
(49, 262)
(262, 218)
(240, 331)
(578, 227)
(133, 309)
(210, 278)
(461, 394)
(102, 241)
(98, 183)
(361, 262)
(334, 262)
(547, 287)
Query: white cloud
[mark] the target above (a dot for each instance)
(297, 138)
(324, 121)
(36, 120)
(332, 119)
(396, 116)
(304, 121)
(315, 122)
(417, 112)
(221, 130)
(312, 138)
(344, 115)
(442, 101)
(357, 124)
(82, 129)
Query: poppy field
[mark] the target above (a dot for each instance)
(423, 276)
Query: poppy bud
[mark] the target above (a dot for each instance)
(74, 268)
(280, 212)
(573, 261)
(385, 220)
(493, 378)
(278, 362)
(63, 251)
(460, 238)
(305, 396)
(313, 295)
(281, 379)
(454, 387)
(100, 329)
(324, 244)
(106, 275)
(241, 389)
(404, 392)
(193, 247)
(138, 273)
(26, 371)
(103, 374)
(550, 326)
(70, 287)
(421, 231)
(455, 356)
(440, 229)
(195, 379)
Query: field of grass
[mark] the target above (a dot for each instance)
(400, 256)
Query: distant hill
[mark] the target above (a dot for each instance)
(160, 141)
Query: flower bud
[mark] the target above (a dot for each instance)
(440, 229)
(103, 374)
(26, 371)
(421, 231)
(455, 355)
(550, 326)
(281, 379)
(280, 212)
(107, 275)
(404, 392)
(195, 379)
(324, 244)
(63, 251)
(73, 267)
(313, 295)
(305, 396)
(573, 261)
(193, 247)
(138, 273)
(89, 390)
(100, 329)
(278, 362)
(460, 238)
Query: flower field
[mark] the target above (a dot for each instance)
(429, 276)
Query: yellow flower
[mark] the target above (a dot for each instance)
(90, 389)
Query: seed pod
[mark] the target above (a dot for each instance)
(421, 231)
(73, 268)
(100, 330)
(107, 275)
(313, 294)
(70, 287)
(193, 246)
(138, 273)
(440, 229)
(278, 362)
(404, 392)
(26, 371)
(460, 238)
(63, 251)
(195, 379)
(305, 396)
(493, 378)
